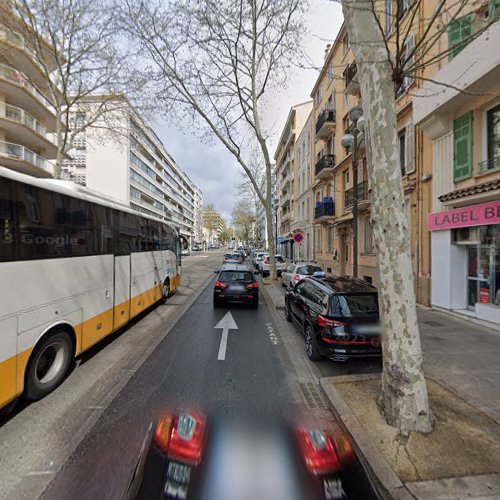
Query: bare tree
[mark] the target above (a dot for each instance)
(85, 68)
(218, 61)
(244, 219)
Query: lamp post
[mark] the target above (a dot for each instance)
(351, 141)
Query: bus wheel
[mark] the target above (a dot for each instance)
(49, 364)
(165, 291)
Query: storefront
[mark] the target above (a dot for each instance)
(466, 260)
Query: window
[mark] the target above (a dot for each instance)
(346, 180)
(403, 6)
(388, 15)
(368, 279)
(318, 239)
(346, 250)
(329, 247)
(410, 148)
(402, 151)
(329, 73)
(308, 270)
(493, 10)
(493, 137)
(345, 43)
(462, 147)
(367, 235)
(459, 34)
(354, 305)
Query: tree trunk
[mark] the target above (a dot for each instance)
(403, 401)
(60, 146)
(269, 221)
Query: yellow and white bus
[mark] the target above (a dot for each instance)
(74, 267)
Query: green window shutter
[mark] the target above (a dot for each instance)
(462, 147)
(460, 32)
(493, 10)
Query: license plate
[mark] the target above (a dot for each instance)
(364, 329)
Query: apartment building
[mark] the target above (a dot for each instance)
(131, 164)
(213, 225)
(26, 118)
(285, 158)
(460, 120)
(198, 215)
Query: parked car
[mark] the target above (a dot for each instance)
(185, 252)
(300, 270)
(236, 283)
(265, 266)
(339, 317)
(232, 258)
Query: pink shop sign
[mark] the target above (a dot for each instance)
(475, 215)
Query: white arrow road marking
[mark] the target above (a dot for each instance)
(226, 323)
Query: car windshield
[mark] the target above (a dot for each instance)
(354, 305)
(230, 276)
(279, 258)
(309, 270)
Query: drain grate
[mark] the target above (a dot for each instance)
(432, 323)
(312, 396)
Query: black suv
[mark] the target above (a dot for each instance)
(339, 317)
(236, 283)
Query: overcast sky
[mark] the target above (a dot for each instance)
(211, 167)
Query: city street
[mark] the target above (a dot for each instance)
(91, 432)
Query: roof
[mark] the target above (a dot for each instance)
(469, 191)
(235, 267)
(69, 188)
(345, 284)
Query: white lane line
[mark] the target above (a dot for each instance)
(226, 323)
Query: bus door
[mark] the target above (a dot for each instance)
(122, 290)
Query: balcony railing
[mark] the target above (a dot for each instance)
(21, 79)
(489, 165)
(360, 192)
(19, 152)
(326, 116)
(350, 74)
(21, 116)
(327, 161)
(325, 208)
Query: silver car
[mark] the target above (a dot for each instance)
(299, 270)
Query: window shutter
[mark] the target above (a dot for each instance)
(462, 147)
(410, 46)
(459, 34)
(493, 10)
(410, 148)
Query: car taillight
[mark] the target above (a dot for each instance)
(253, 285)
(296, 278)
(266, 261)
(219, 284)
(181, 437)
(328, 323)
(318, 452)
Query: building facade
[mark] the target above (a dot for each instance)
(285, 158)
(198, 215)
(134, 166)
(27, 121)
(460, 121)
(213, 226)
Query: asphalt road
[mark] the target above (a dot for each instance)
(253, 381)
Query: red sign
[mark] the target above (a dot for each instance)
(298, 238)
(475, 215)
(484, 295)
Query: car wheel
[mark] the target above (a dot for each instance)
(288, 314)
(165, 291)
(48, 365)
(311, 344)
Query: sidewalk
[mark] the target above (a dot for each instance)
(461, 457)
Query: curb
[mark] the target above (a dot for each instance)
(384, 479)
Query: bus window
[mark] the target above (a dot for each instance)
(7, 232)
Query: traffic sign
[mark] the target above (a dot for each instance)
(298, 238)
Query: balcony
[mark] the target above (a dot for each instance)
(325, 124)
(285, 199)
(19, 90)
(324, 210)
(325, 166)
(361, 194)
(23, 160)
(351, 79)
(285, 181)
(491, 165)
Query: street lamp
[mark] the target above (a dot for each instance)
(350, 141)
